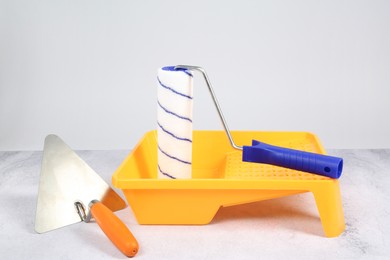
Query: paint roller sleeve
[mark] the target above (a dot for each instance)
(174, 123)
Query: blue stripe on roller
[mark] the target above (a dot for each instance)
(173, 157)
(166, 174)
(188, 73)
(174, 114)
(172, 68)
(174, 91)
(171, 134)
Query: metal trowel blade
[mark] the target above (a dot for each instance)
(66, 179)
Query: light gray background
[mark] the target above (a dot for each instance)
(86, 70)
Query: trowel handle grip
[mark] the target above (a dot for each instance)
(293, 159)
(115, 229)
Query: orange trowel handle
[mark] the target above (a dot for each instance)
(115, 229)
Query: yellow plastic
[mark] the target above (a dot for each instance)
(221, 179)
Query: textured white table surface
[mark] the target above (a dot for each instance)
(276, 229)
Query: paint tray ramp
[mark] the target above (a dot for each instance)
(221, 179)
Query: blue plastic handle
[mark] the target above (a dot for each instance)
(293, 159)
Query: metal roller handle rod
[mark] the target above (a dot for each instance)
(263, 153)
(208, 83)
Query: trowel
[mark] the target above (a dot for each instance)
(70, 192)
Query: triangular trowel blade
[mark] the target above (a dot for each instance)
(65, 179)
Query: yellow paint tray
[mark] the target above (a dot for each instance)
(221, 179)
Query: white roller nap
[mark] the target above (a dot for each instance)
(174, 123)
